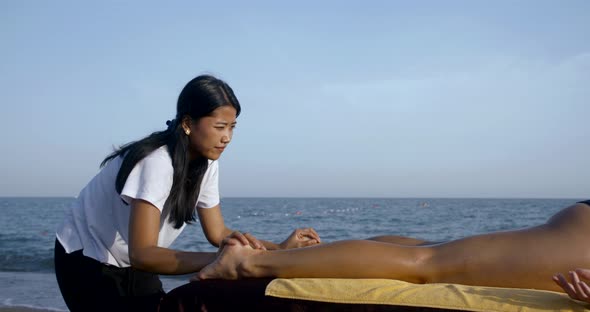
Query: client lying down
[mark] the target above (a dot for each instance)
(526, 258)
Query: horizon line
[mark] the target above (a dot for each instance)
(339, 197)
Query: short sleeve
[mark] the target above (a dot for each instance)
(150, 179)
(209, 193)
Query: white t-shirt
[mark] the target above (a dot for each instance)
(98, 221)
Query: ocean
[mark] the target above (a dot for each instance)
(28, 225)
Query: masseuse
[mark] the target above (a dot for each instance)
(115, 238)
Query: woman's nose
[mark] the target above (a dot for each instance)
(225, 139)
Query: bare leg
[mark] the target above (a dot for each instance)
(351, 258)
(401, 240)
(525, 258)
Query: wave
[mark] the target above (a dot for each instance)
(16, 262)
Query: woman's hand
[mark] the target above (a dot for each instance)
(236, 238)
(301, 238)
(577, 289)
(241, 238)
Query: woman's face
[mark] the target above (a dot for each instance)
(210, 135)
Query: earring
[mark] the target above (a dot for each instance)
(187, 132)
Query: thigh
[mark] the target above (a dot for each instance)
(88, 285)
(571, 228)
(525, 258)
(401, 240)
(78, 278)
(145, 291)
(575, 218)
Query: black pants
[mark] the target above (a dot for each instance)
(88, 285)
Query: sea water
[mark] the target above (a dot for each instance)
(27, 230)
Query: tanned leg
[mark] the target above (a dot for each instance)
(347, 259)
(525, 258)
(401, 240)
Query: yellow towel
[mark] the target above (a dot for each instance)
(442, 296)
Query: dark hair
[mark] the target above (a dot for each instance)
(199, 98)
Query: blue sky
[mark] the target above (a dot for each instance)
(340, 98)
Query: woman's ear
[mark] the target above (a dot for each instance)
(186, 124)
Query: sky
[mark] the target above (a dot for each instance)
(339, 98)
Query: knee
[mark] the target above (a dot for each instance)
(438, 264)
(427, 265)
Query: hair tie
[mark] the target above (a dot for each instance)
(171, 124)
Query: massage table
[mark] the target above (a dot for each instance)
(327, 294)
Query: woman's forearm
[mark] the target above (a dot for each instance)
(267, 244)
(169, 261)
(270, 245)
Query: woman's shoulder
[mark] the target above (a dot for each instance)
(160, 153)
(159, 158)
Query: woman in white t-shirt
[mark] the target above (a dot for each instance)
(114, 240)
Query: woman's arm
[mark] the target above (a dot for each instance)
(215, 231)
(144, 253)
(213, 225)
